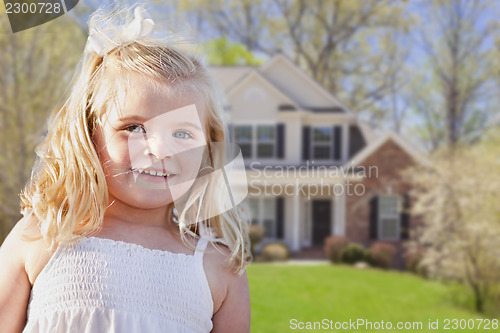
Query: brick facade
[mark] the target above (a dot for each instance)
(390, 159)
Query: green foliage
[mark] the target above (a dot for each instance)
(457, 194)
(352, 253)
(36, 66)
(222, 52)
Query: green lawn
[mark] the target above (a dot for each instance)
(309, 293)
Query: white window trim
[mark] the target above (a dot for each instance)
(273, 141)
(313, 144)
(260, 215)
(330, 144)
(258, 211)
(255, 141)
(244, 142)
(380, 217)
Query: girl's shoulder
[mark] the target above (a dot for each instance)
(230, 292)
(14, 282)
(25, 241)
(220, 272)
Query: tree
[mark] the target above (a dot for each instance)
(352, 48)
(222, 52)
(35, 68)
(453, 91)
(457, 196)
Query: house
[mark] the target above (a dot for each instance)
(313, 169)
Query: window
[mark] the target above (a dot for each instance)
(265, 141)
(388, 217)
(253, 206)
(268, 216)
(263, 213)
(322, 143)
(257, 141)
(243, 138)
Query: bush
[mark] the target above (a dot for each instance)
(275, 252)
(333, 247)
(413, 256)
(382, 254)
(352, 253)
(256, 234)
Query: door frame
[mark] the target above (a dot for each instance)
(311, 215)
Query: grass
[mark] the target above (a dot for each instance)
(309, 293)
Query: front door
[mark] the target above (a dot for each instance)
(321, 218)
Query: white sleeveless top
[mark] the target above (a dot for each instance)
(101, 285)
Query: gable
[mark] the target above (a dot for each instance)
(377, 149)
(388, 156)
(298, 86)
(256, 98)
(229, 76)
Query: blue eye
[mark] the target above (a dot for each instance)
(135, 129)
(182, 135)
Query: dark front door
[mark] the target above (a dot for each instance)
(321, 217)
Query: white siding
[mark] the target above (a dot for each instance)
(251, 102)
(293, 84)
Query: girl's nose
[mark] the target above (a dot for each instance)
(159, 146)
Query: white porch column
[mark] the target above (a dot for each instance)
(339, 212)
(345, 143)
(296, 219)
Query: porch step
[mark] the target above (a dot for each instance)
(310, 253)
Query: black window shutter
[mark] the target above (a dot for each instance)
(279, 217)
(280, 134)
(337, 142)
(374, 217)
(306, 143)
(405, 217)
(356, 140)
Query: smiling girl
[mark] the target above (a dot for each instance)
(120, 230)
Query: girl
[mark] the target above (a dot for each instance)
(124, 229)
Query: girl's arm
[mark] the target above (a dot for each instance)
(15, 286)
(234, 313)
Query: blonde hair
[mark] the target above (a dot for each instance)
(68, 194)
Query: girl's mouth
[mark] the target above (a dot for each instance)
(154, 173)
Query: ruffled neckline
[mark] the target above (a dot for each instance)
(134, 247)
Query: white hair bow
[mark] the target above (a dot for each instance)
(141, 26)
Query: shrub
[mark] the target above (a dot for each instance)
(256, 234)
(275, 252)
(352, 253)
(413, 256)
(382, 254)
(333, 247)
(368, 257)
